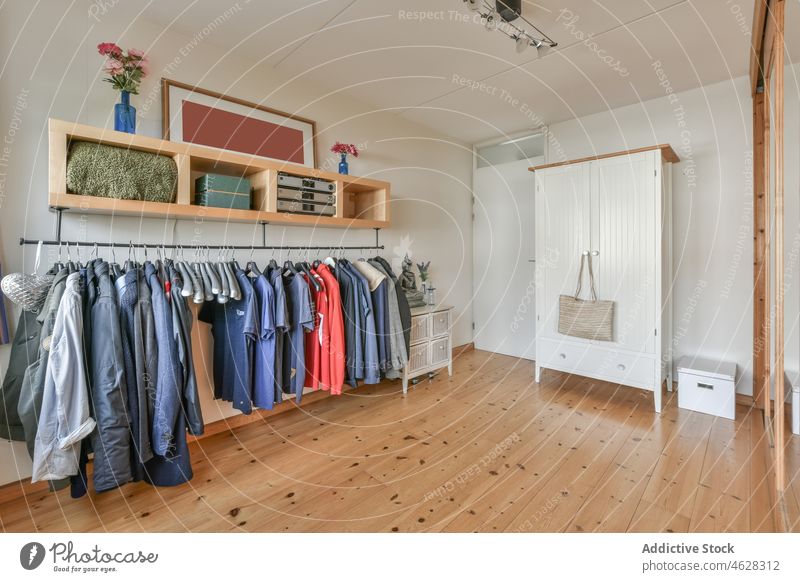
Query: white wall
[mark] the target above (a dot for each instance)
(710, 128)
(49, 68)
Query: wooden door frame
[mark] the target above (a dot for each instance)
(768, 59)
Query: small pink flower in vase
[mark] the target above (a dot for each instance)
(343, 149)
(125, 73)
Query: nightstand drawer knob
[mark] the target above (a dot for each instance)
(621, 367)
(562, 356)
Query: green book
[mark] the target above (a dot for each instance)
(220, 183)
(223, 200)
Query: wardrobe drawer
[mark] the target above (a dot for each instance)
(622, 367)
(418, 357)
(597, 362)
(419, 328)
(440, 351)
(440, 323)
(560, 354)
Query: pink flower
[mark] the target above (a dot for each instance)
(137, 54)
(144, 67)
(345, 148)
(114, 67)
(109, 49)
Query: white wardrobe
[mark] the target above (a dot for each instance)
(614, 210)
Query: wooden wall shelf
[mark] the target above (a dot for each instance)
(360, 202)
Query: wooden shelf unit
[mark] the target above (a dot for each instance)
(360, 202)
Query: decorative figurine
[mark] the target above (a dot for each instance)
(408, 282)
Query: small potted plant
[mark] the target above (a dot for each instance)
(125, 73)
(423, 274)
(343, 149)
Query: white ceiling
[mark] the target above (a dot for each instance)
(372, 51)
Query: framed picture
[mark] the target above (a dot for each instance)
(202, 117)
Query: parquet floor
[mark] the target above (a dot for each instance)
(485, 450)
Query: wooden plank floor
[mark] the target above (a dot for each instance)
(485, 450)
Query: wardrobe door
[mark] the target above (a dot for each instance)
(562, 234)
(625, 233)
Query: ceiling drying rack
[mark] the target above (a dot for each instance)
(58, 241)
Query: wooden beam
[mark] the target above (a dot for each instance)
(769, 304)
(778, 13)
(761, 209)
(757, 36)
(667, 154)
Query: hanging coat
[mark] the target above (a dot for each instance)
(402, 302)
(170, 464)
(182, 330)
(111, 441)
(64, 420)
(24, 351)
(135, 375)
(30, 399)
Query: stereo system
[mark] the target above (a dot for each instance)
(299, 195)
(299, 207)
(301, 183)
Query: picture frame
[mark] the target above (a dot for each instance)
(203, 117)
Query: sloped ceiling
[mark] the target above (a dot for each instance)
(431, 62)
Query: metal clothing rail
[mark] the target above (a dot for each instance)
(264, 246)
(189, 247)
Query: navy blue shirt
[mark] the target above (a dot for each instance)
(264, 365)
(234, 326)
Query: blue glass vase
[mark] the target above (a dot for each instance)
(343, 167)
(124, 114)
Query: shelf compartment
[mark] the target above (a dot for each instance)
(361, 202)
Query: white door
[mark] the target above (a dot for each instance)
(503, 255)
(562, 235)
(624, 239)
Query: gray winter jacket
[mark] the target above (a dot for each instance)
(111, 441)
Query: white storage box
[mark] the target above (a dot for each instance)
(707, 386)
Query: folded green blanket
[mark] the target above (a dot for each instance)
(114, 172)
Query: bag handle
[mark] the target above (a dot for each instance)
(584, 259)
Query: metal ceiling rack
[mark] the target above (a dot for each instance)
(58, 241)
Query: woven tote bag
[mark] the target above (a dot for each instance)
(586, 318)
